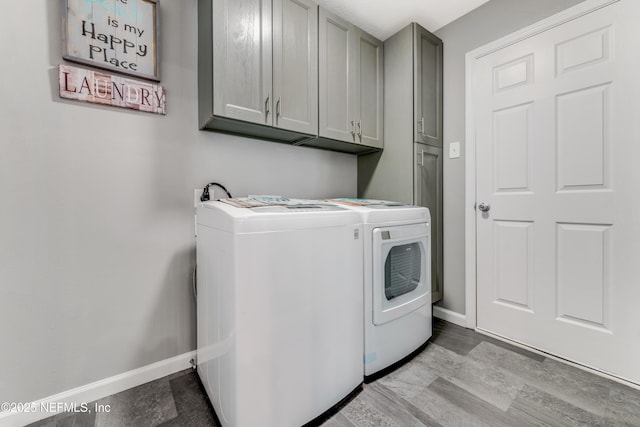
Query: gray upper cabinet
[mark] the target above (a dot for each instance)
(286, 71)
(295, 65)
(428, 87)
(242, 69)
(258, 68)
(369, 86)
(337, 74)
(351, 83)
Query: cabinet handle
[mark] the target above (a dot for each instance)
(421, 162)
(267, 104)
(278, 107)
(353, 127)
(360, 129)
(421, 125)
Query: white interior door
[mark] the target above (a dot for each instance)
(556, 149)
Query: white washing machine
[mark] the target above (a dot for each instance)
(279, 310)
(397, 280)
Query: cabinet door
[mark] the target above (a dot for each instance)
(242, 60)
(428, 193)
(428, 87)
(336, 77)
(295, 65)
(369, 95)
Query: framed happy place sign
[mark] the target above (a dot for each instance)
(117, 35)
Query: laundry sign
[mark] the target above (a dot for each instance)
(117, 35)
(106, 89)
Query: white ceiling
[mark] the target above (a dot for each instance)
(383, 18)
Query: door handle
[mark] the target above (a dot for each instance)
(484, 207)
(267, 105)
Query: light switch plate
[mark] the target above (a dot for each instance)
(454, 150)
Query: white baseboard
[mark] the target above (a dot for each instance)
(97, 390)
(450, 316)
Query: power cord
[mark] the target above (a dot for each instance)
(205, 193)
(194, 282)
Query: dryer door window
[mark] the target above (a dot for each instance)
(401, 270)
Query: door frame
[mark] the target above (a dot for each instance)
(471, 57)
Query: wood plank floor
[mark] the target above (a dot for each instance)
(461, 378)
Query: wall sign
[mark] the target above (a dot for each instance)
(117, 35)
(101, 88)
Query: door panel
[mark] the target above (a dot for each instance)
(337, 74)
(584, 50)
(428, 193)
(582, 258)
(513, 254)
(295, 65)
(428, 88)
(513, 145)
(370, 90)
(242, 59)
(583, 146)
(556, 143)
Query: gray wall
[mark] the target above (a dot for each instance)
(96, 216)
(493, 20)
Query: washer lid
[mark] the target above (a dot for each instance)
(349, 201)
(274, 218)
(384, 211)
(304, 207)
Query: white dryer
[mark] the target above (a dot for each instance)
(397, 280)
(279, 310)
